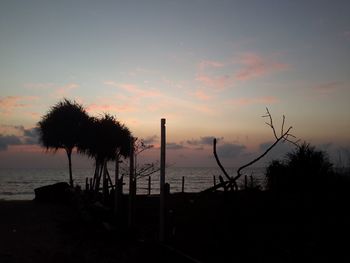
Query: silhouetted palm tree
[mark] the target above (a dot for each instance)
(104, 139)
(61, 128)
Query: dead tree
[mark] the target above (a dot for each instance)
(283, 136)
(141, 169)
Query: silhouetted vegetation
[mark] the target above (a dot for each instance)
(283, 136)
(141, 169)
(292, 219)
(67, 125)
(104, 140)
(305, 169)
(61, 128)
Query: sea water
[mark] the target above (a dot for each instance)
(19, 184)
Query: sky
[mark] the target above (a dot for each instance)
(209, 67)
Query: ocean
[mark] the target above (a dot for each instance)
(19, 184)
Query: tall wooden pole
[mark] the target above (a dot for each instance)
(162, 182)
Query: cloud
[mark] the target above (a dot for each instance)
(221, 75)
(134, 89)
(230, 150)
(206, 140)
(328, 88)
(11, 129)
(215, 82)
(11, 103)
(66, 89)
(151, 139)
(250, 101)
(18, 136)
(174, 146)
(201, 95)
(255, 66)
(104, 107)
(31, 136)
(6, 140)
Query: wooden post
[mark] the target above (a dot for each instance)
(183, 184)
(87, 184)
(149, 185)
(214, 179)
(131, 185)
(91, 185)
(162, 181)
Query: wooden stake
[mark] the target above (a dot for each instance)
(149, 185)
(183, 184)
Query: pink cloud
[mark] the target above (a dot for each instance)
(256, 66)
(250, 101)
(216, 82)
(66, 89)
(102, 108)
(10, 103)
(201, 95)
(251, 65)
(134, 89)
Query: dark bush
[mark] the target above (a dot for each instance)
(305, 169)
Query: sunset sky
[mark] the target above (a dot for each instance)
(209, 67)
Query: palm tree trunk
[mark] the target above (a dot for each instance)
(116, 178)
(118, 186)
(98, 180)
(69, 155)
(95, 174)
(104, 182)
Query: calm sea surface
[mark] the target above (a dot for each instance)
(19, 184)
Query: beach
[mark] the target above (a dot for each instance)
(45, 232)
(34, 232)
(243, 226)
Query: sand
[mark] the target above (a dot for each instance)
(32, 232)
(238, 227)
(44, 233)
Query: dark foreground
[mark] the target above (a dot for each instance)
(247, 226)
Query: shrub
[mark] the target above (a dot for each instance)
(305, 169)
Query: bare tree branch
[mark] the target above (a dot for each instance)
(218, 161)
(284, 136)
(282, 127)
